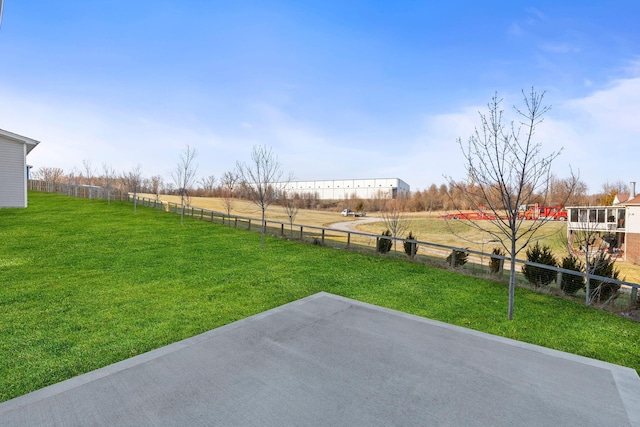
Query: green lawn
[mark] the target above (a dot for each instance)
(84, 285)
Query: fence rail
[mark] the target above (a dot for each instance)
(463, 259)
(426, 252)
(78, 190)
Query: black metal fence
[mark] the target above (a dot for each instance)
(612, 294)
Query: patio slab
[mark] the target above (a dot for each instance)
(329, 360)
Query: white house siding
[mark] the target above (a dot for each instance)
(346, 188)
(13, 169)
(633, 219)
(13, 174)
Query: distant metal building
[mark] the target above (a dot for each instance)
(339, 189)
(13, 169)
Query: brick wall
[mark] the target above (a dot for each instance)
(633, 247)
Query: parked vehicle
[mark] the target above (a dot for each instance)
(349, 212)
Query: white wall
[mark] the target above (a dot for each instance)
(13, 173)
(633, 219)
(345, 188)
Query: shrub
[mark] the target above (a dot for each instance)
(495, 263)
(410, 248)
(571, 283)
(603, 265)
(384, 245)
(460, 258)
(540, 276)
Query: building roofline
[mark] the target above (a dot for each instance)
(31, 143)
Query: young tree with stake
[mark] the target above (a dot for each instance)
(184, 176)
(507, 168)
(261, 179)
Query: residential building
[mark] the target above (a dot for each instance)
(617, 225)
(13, 169)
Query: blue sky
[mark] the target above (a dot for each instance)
(338, 89)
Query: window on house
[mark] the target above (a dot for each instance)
(582, 215)
(574, 215)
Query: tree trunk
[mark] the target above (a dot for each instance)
(262, 238)
(512, 279)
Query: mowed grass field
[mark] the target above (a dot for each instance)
(426, 226)
(84, 285)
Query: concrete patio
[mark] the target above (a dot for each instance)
(328, 360)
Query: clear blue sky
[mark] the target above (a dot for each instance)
(339, 89)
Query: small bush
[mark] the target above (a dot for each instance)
(410, 248)
(603, 265)
(571, 283)
(460, 258)
(539, 276)
(384, 245)
(495, 263)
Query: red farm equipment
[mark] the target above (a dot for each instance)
(480, 214)
(535, 211)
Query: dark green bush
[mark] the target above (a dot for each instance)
(384, 245)
(571, 283)
(603, 265)
(460, 258)
(494, 264)
(539, 276)
(410, 248)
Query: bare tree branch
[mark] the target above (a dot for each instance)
(184, 176)
(507, 169)
(261, 179)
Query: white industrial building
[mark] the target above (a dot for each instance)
(339, 189)
(13, 169)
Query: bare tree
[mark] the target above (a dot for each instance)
(228, 186)
(261, 179)
(208, 185)
(611, 190)
(90, 171)
(156, 185)
(49, 174)
(132, 181)
(395, 219)
(508, 169)
(184, 176)
(109, 174)
(290, 205)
